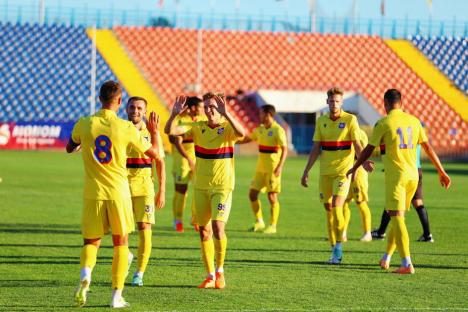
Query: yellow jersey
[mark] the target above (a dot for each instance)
(270, 140)
(179, 161)
(140, 167)
(398, 135)
(104, 140)
(214, 151)
(336, 142)
(361, 173)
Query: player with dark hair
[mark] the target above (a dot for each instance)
(140, 177)
(273, 149)
(398, 134)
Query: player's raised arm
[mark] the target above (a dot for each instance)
(221, 108)
(443, 176)
(153, 125)
(179, 107)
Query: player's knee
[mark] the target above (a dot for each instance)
(120, 240)
(273, 198)
(253, 195)
(92, 241)
(143, 226)
(205, 232)
(218, 229)
(181, 188)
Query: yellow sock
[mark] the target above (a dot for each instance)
(346, 216)
(257, 209)
(401, 236)
(193, 221)
(119, 266)
(338, 222)
(144, 249)
(207, 250)
(275, 210)
(220, 249)
(391, 242)
(88, 256)
(178, 205)
(331, 233)
(365, 216)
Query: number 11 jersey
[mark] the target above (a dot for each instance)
(398, 134)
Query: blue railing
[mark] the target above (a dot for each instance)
(85, 16)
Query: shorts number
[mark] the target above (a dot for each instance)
(102, 151)
(402, 144)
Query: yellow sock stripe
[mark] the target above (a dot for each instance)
(129, 75)
(220, 250)
(257, 209)
(119, 266)
(88, 256)
(144, 249)
(431, 75)
(207, 250)
(275, 210)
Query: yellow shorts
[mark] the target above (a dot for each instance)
(143, 208)
(212, 204)
(100, 215)
(399, 193)
(359, 188)
(268, 182)
(333, 185)
(182, 175)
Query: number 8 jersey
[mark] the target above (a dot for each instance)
(104, 139)
(398, 134)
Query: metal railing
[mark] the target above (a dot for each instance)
(87, 17)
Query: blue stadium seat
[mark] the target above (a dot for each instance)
(449, 55)
(45, 73)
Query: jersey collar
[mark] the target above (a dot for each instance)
(106, 113)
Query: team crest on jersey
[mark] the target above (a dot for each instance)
(221, 207)
(270, 133)
(220, 130)
(341, 125)
(203, 130)
(147, 138)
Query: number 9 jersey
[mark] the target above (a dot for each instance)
(398, 134)
(104, 140)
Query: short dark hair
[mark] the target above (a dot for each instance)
(268, 109)
(193, 101)
(334, 91)
(137, 98)
(109, 91)
(392, 97)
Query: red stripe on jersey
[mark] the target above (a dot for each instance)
(268, 148)
(335, 143)
(138, 161)
(222, 150)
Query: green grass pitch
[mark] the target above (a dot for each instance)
(40, 207)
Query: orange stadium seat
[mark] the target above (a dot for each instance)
(265, 60)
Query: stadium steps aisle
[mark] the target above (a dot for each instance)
(429, 73)
(129, 75)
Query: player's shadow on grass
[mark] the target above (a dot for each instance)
(449, 171)
(38, 229)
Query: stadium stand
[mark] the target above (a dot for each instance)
(45, 73)
(449, 55)
(294, 61)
